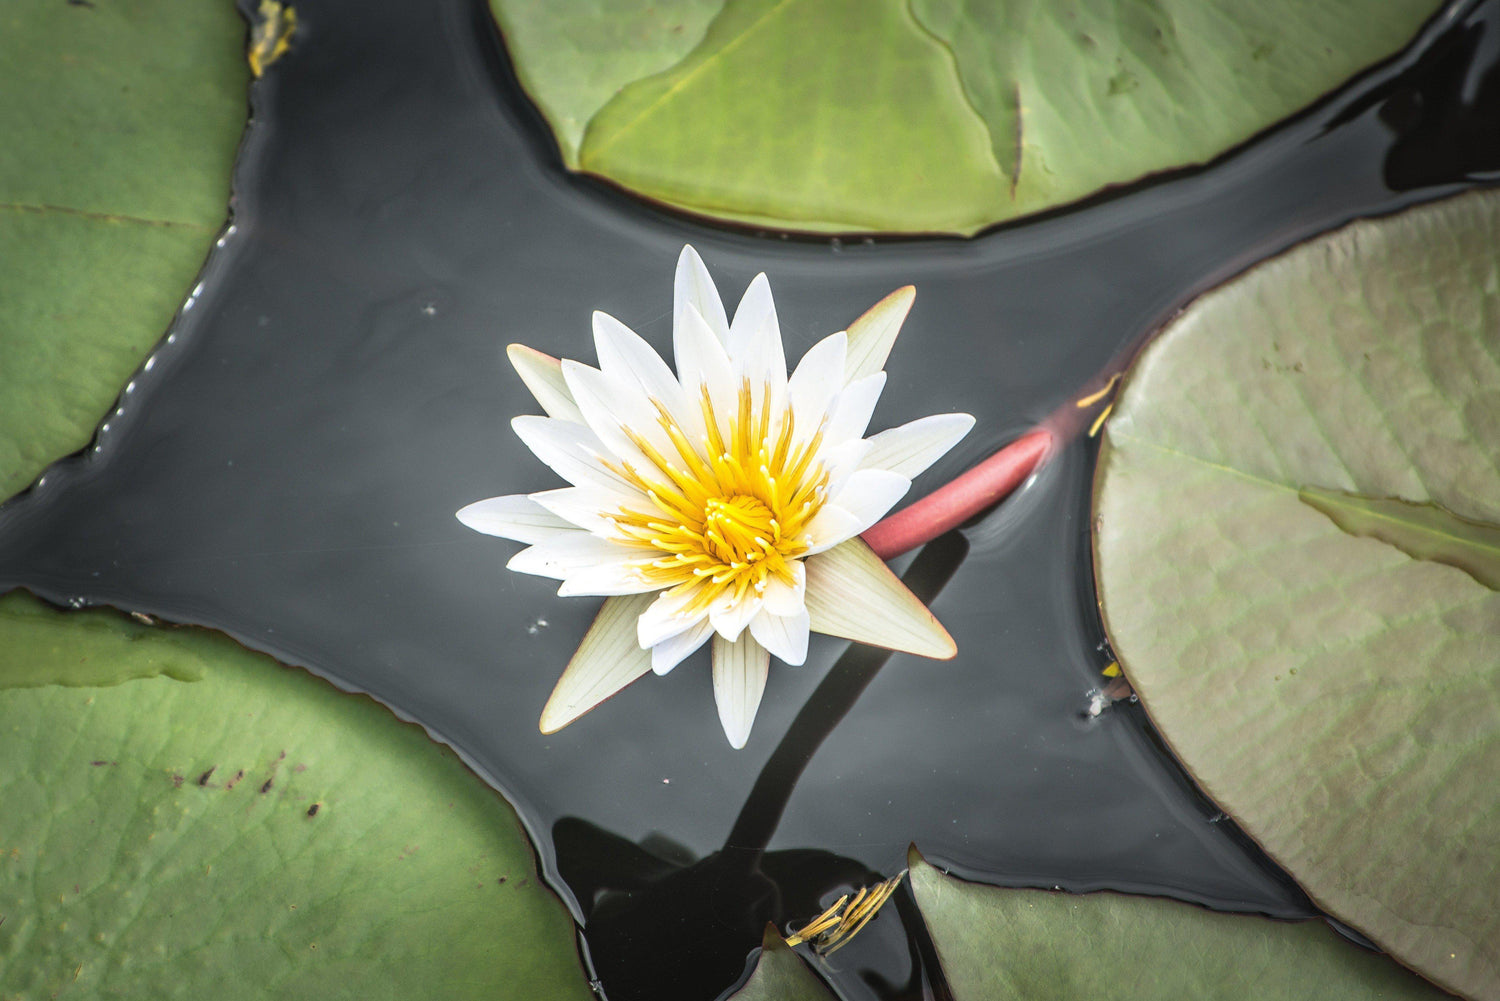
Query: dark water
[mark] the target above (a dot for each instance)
(288, 465)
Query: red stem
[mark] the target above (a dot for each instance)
(955, 502)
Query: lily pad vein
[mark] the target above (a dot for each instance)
(104, 216)
(689, 76)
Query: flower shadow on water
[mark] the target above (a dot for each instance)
(646, 901)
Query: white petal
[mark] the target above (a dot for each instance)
(563, 555)
(739, 681)
(693, 287)
(515, 516)
(842, 461)
(624, 354)
(785, 636)
(867, 495)
(911, 448)
(671, 651)
(582, 506)
(621, 577)
(730, 617)
(755, 339)
(851, 593)
(852, 409)
(702, 361)
(575, 453)
(812, 388)
(873, 334)
(607, 660)
(610, 404)
(542, 374)
(666, 617)
(782, 598)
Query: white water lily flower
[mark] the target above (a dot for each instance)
(724, 502)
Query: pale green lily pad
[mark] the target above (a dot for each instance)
(1338, 695)
(781, 975)
(253, 834)
(114, 180)
(1041, 945)
(938, 115)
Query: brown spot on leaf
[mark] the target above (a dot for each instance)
(97, 764)
(312, 811)
(203, 779)
(237, 776)
(266, 786)
(177, 780)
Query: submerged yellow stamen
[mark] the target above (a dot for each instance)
(832, 930)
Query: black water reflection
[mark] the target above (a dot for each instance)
(287, 468)
(1444, 110)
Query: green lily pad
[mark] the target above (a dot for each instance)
(781, 975)
(114, 180)
(1294, 499)
(256, 833)
(573, 57)
(1040, 945)
(937, 115)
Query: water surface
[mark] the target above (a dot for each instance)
(287, 466)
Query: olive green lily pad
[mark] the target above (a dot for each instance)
(1295, 497)
(1041, 945)
(781, 975)
(114, 181)
(933, 115)
(256, 833)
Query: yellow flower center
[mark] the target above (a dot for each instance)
(731, 510)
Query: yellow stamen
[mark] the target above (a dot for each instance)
(1099, 421)
(832, 930)
(729, 510)
(1093, 398)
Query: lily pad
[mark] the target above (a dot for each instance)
(780, 975)
(938, 115)
(1294, 499)
(1041, 945)
(573, 57)
(114, 180)
(254, 833)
